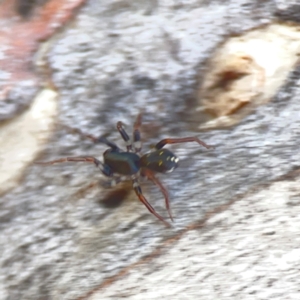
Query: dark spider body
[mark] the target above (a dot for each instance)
(123, 165)
(127, 163)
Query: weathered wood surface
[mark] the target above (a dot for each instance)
(58, 240)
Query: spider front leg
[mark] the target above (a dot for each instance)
(81, 134)
(105, 169)
(135, 145)
(164, 142)
(141, 197)
(99, 140)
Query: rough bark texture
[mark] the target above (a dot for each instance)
(236, 208)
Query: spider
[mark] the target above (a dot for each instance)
(122, 165)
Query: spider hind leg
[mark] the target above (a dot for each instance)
(150, 175)
(138, 192)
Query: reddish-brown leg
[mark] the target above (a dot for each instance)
(141, 197)
(81, 134)
(75, 158)
(101, 140)
(164, 142)
(104, 168)
(150, 175)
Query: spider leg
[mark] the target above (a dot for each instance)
(81, 134)
(104, 168)
(164, 142)
(150, 175)
(125, 136)
(96, 140)
(103, 140)
(137, 133)
(141, 197)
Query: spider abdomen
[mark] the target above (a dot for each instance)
(161, 161)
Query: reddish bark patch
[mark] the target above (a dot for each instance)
(19, 40)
